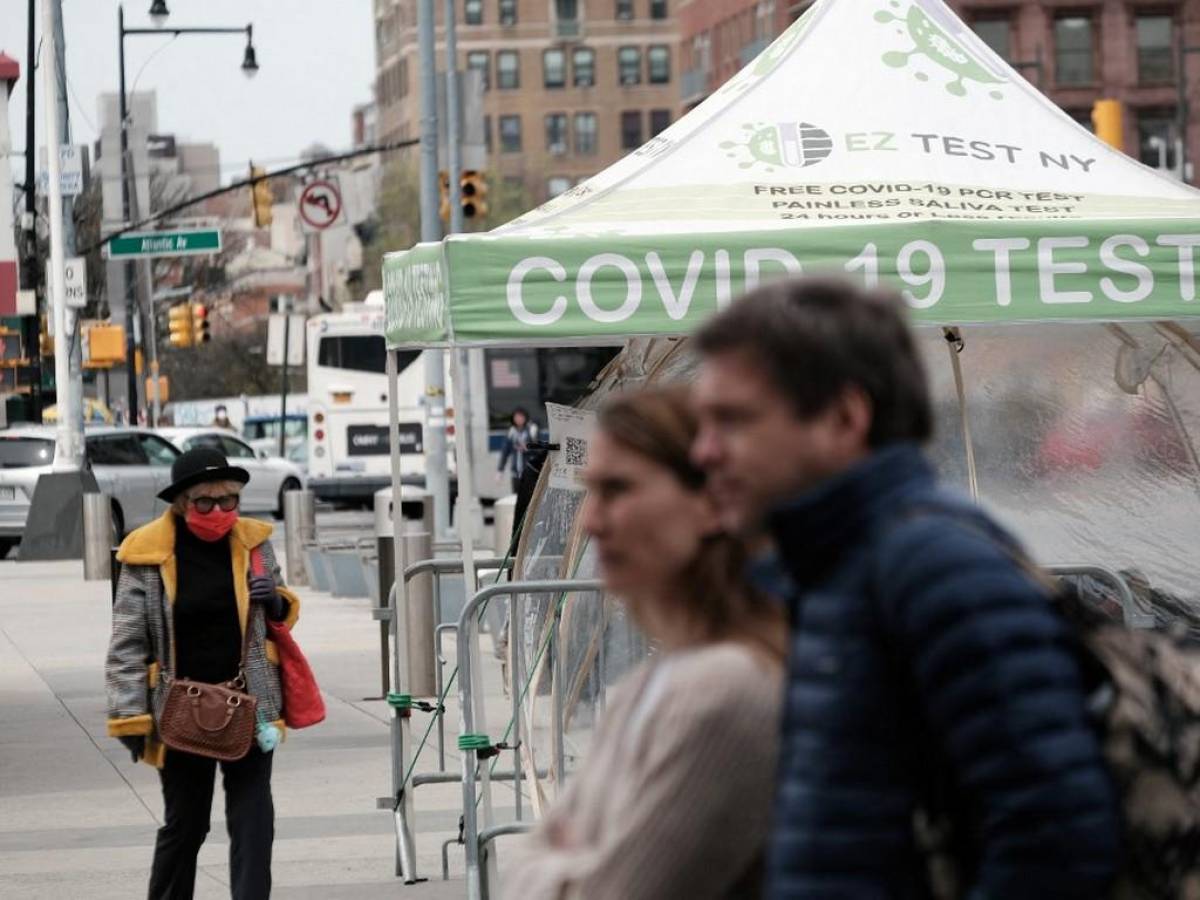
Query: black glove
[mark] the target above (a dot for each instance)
(135, 744)
(264, 592)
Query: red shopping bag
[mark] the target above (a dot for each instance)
(302, 701)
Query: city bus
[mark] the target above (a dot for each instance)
(348, 450)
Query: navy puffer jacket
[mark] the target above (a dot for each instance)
(921, 654)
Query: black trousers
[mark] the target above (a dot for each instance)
(187, 783)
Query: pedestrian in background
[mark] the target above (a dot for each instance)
(673, 798)
(522, 431)
(928, 672)
(221, 419)
(184, 601)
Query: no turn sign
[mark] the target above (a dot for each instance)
(320, 205)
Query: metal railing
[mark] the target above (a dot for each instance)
(473, 840)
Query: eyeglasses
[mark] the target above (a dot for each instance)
(207, 504)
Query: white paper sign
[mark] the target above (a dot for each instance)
(295, 339)
(70, 170)
(571, 429)
(75, 268)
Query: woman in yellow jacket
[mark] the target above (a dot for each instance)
(185, 581)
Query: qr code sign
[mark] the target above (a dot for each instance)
(576, 451)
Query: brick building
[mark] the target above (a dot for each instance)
(1076, 51)
(571, 86)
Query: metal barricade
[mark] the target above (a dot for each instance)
(1134, 617)
(470, 742)
(404, 784)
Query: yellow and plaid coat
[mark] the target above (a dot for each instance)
(143, 631)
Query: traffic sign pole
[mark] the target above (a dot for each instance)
(58, 287)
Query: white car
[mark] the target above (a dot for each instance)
(131, 465)
(270, 476)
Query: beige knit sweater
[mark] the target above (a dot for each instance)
(673, 799)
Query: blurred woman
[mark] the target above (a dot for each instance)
(673, 799)
(522, 431)
(184, 602)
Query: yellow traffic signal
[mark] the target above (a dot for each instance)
(164, 388)
(1107, 117)
(200, 328)
(444, 195)
(179, 326)
(260, 197)
(473, 189)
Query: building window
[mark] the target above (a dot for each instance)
(556, 134)
(583, 64)
(473, 12)
(631, 129)
(1074, 50)
(510, 134)
(658, 59)
(1157, 138)
(508, 70)
(625, 10)
(566, 10)
(629, 65)
(764, 20)
(997, 34)
(660, 121)
(557, 185)
(487, 134)
(585, 133)
(508, 12)
(554, 68)
(658, 9)
(481, 61)
(1155, 43)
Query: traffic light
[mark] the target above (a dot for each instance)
(260, 197)
(1107, 118)
(444, 195)
(473, 189)
(179, 326)
(200, 329)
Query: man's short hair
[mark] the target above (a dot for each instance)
(814, 337)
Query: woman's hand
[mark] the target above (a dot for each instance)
(264, 592)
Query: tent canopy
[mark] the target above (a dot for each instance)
(877, 138)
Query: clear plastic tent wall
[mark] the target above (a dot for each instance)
(1085, 446)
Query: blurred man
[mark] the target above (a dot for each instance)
(928, 672)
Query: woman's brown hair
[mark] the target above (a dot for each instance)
(658, 423)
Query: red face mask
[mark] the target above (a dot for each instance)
(211, 526)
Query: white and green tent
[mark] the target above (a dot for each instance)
(879, 138)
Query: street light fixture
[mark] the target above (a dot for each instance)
(249, 59)
(158, 14)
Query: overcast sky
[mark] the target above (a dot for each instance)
(317, 62)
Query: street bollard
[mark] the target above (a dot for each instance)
(97, 537)
(421, 618)
(299, 529)
(417, 512)
(495, 615)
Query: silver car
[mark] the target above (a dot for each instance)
(131, 465)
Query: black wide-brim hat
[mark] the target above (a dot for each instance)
(200, 466)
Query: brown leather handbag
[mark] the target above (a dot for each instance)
(213, 720)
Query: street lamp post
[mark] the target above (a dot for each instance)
(158, 14)
(1181, 104)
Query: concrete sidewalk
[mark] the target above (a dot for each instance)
(78, 819)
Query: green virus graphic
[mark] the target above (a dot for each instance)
(794, 145)
(931, 41)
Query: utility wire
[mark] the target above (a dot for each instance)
(388, 147)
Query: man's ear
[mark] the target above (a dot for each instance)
(854, 413)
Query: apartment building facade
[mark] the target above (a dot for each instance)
(1144, 53)
(570, 86)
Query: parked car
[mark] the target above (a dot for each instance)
(131, 465)
(270, 476)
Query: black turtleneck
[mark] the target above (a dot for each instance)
(208, 636)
